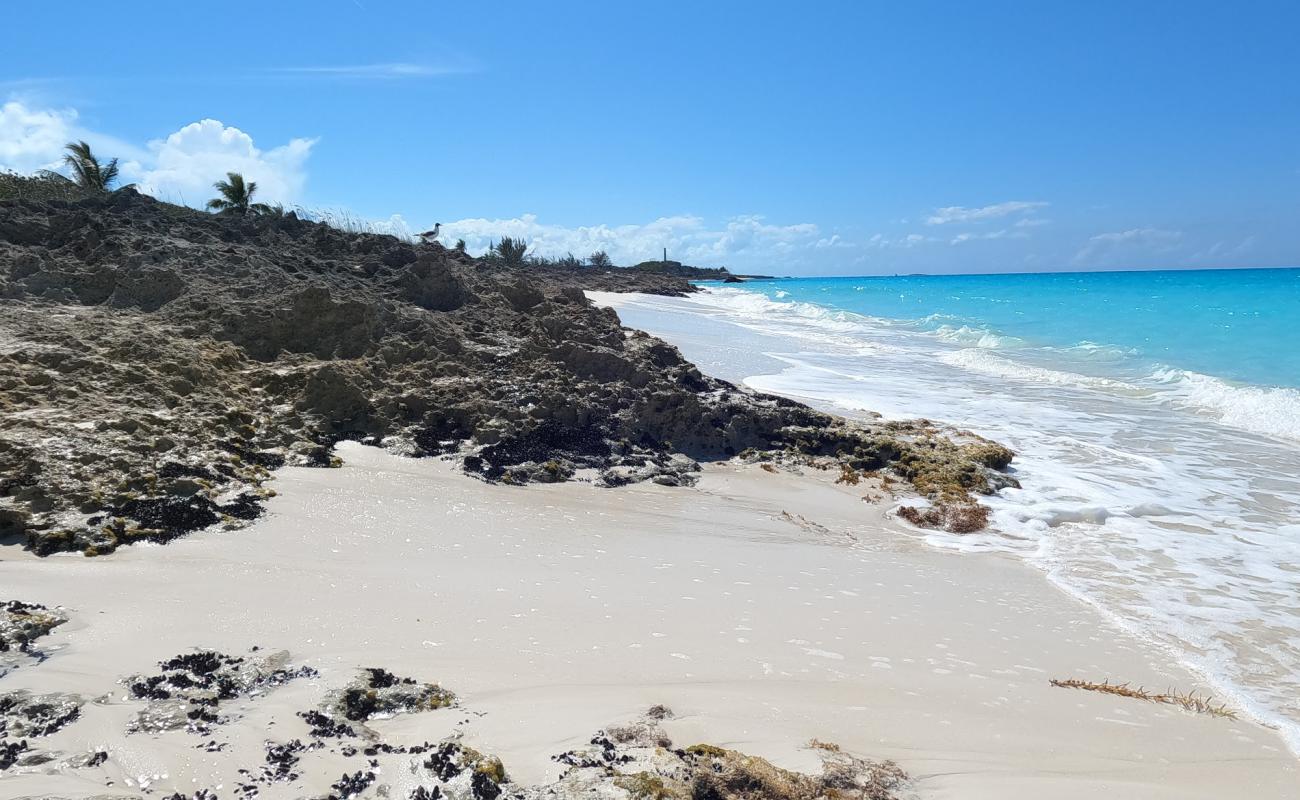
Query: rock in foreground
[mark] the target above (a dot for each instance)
(157, 363)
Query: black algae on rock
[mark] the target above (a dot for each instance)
(189, 689)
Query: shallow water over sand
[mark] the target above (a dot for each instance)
(1176, 521)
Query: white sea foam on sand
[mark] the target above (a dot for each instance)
(1169, 501)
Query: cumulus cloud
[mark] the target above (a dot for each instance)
(184, 166)
(181, 167)
(688, 238)
(395, 225)
(32, 139)
(956, 214)
(1109, 246)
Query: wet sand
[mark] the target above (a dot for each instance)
(764, 609)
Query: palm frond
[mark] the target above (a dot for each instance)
(109, 173)
(86, 170)
(236, 194)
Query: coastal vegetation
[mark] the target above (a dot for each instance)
(88, 172)
(52, 186)
(236, 196)
(509, 251)
(87, 175)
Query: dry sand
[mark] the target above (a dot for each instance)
(765, 609)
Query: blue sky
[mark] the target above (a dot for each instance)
(814, 138)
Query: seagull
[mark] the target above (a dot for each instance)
(429, 236)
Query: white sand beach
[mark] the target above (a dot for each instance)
(650, 401)
(764, 609)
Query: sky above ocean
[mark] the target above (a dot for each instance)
(832, 138)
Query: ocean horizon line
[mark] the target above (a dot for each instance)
(1137, 270)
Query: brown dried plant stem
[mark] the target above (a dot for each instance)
(1190, 701)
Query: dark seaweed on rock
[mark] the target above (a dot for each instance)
(189, 689)
(352, 785)
(25, 716)
(156, 363)
(379, 693)
(323, 726)
(23, 623)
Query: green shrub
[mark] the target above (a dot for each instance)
(510, 251)
(38, 187)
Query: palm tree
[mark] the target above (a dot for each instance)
(87, 171)
(236, 196)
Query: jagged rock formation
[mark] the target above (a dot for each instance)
(157, 363)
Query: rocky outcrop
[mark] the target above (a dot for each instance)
(378, 693)
(26, 718)
(204, 691)
(638, 760)
(188, 691)
(21, 624)
(158, 363)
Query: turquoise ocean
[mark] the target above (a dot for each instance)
(1155, 416)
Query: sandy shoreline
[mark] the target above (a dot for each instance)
(764, 609)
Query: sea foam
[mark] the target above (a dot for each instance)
(1163, 496)
(1271, 411)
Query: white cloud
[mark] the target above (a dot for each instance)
(688, 238)
(1140, 235)
(395, 225)
(834, 240)
(1109, 246)
(32, 138)
(1225, 252)
(951, 214)
(986, 235)
(183, 167)
(880, 241)
(386, 71)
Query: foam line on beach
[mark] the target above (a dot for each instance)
(1142, 493)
